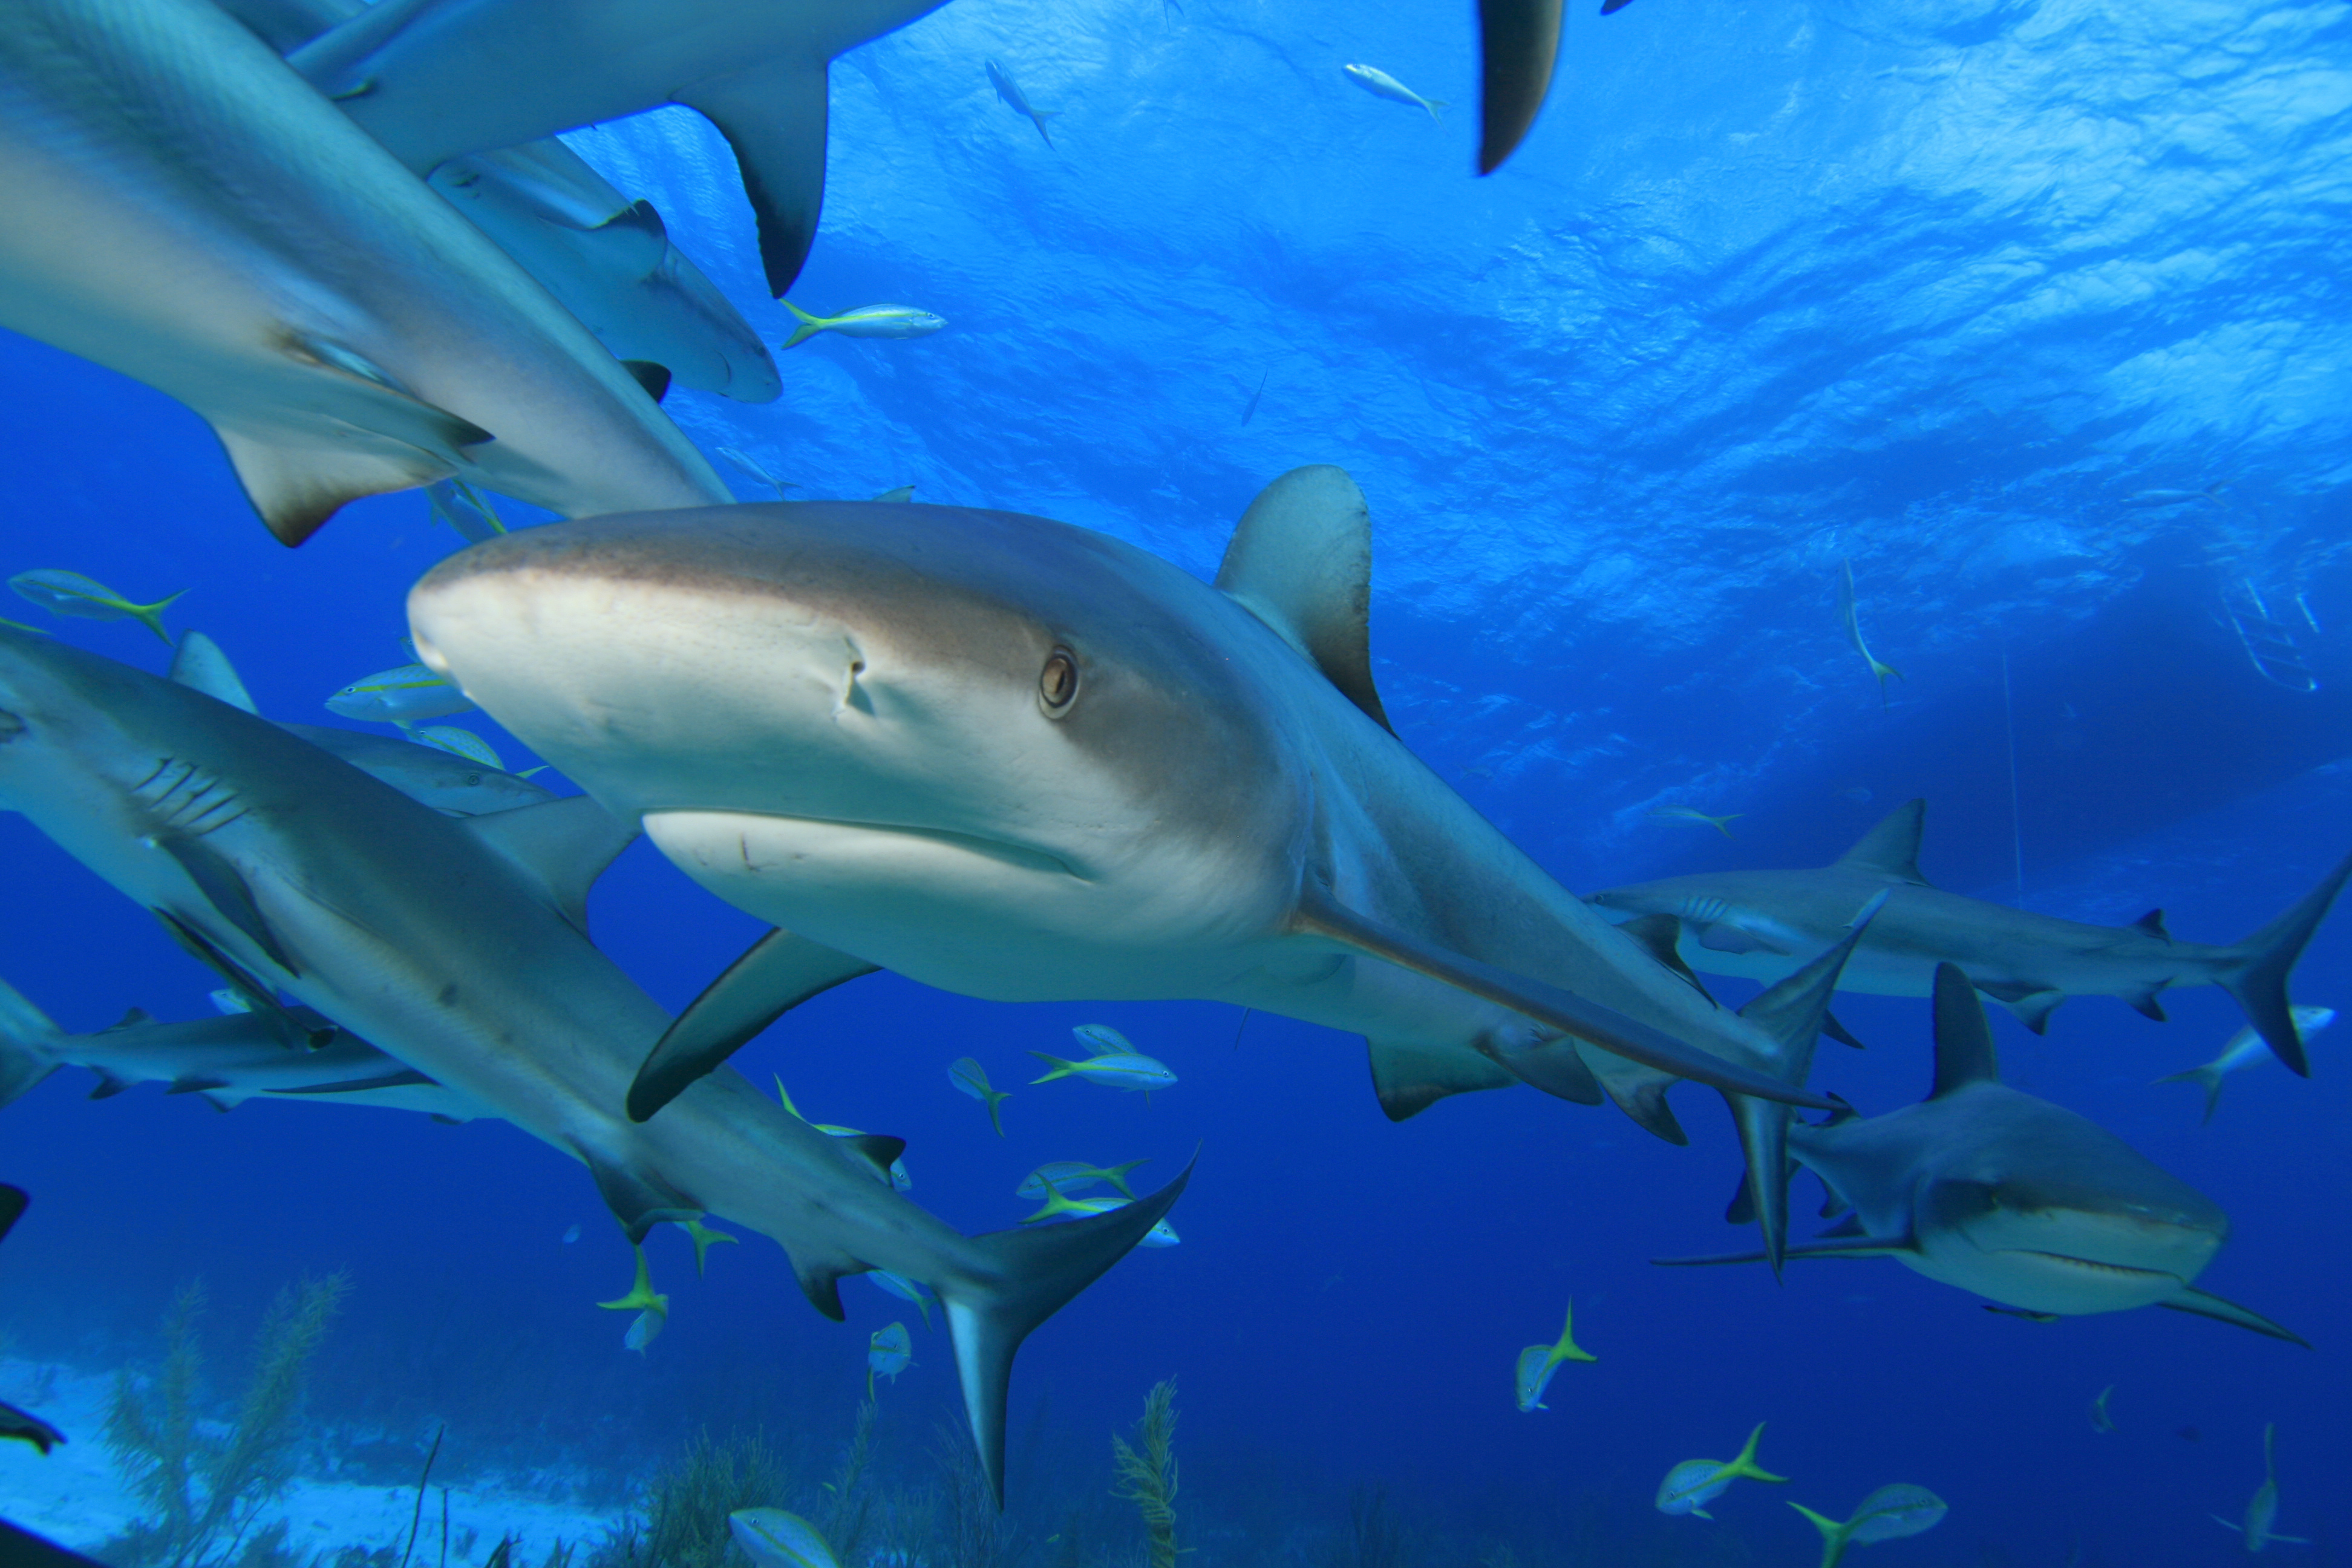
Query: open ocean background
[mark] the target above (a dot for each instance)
(1935, 286)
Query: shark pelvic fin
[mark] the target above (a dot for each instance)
(775, 974)
(1643, 1098)
(773, 116)
(1891, 849)
(563, 846)
(224, 887)
(1301, 561)
(1661, 935)
(2206, 1305)
(199, 665)
(1037, 1269)
(1964, 1049)
(1552, 1066)
(639, 1203)
(2258, 978)
(1518, 40)
(1409, 1078)
(1321, 916)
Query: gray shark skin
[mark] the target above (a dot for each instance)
(457, 946)
(2009, 1196)
(1518, 42)
(290, 1055)
(189, 213)
(1023, 760)
(1763, 924)
(434, 79)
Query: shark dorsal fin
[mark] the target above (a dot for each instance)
(1964, 1053)
(1301, 561)
(199, 665)
(137, 1016)
(562, 845)
(1891, 849)
(2152, 923)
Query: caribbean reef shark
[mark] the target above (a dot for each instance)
(458, 946)
(1762, 924)
(1023, 760)
(2010, 1196)
(434, 79)
(286, 1052)
(187, 211)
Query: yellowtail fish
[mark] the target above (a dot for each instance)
(752, 467)
(704, 1239)
(1690, 1486)
(2246, 1048)
(403, 696)
(1887, 1514)
(906, 1289)
(1161, 1234)
(643, 1329)
(889, 1352)
(972, 1078)
(2100, 1420)
(1074, 1176)
(1686, 814)
(1115, 1065)
(899, 1177)
(2262, 1509)
(71, 594)
(458, 743)
(771, 1538)
(1380, 84)
(1853, 630)
(459, 506)
(1538, 1363)
(866, 322)
(1018, 101)
(650, 1305)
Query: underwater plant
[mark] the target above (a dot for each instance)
(852, 1506)
(200, 1485)
(977, 1534)
(1147, 1471)
(689, 1501)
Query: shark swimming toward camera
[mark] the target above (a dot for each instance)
(1762, 924)
(1023, 760)
(459, 947)
(188, 212)
(434, 79)
(2018, 1200)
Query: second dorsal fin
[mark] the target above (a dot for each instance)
(1301, 561)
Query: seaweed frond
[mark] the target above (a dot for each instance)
(691, 1499)
(852, 1509)
(1146, 1472)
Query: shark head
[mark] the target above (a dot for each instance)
(872, 722)
(55, 722)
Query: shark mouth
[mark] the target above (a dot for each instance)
(1004, 850)
(2116, 1271)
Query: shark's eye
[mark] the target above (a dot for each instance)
(1058, 683)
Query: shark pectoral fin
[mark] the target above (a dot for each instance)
(1032, 1272)
(1410, 1076)
(773, 116)
(1891, 849)
(1552, 1066)
(1318, 915)
(639, 1203)
(1724, 937)
(1844, 1247)
(1518, 40)
(879, 1148)
(2206, 1305)
(1300, 560)
(1661, 937)
(224, 887)
(775, 974)
(563, 846)
(199, 665)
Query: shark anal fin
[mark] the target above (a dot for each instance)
(199, 665)
(1319, 915)
(775, 974)
(1552, 1066)
(563, 846)
(2207, 1305)
(1409, 1078)
(224, 887)
(773, 116)
(1891, 849)
(1518, 40)
(1660, 935)
(640, 1203)
(1300, 560)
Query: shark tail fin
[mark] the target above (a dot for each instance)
(2257, 977)
(1031, 1275)
(2208, 1077)
(1792, 1014)
(1745, 1464)
(27, 1039)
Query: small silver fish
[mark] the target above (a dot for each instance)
(1380, 84)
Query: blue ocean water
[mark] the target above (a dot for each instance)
(1943, 288)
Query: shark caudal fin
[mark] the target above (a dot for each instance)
(26, 1040)
(1791, 1013)
(2257, 977)
(1033, 1273)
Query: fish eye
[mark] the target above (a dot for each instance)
(1058, 683)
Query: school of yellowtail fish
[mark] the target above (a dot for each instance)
(994, 753)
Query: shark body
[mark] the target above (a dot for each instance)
(434, 79)
(456, 945)
(1763, 924)
(1995, 1191)
(191, 213)
(1023, 760)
